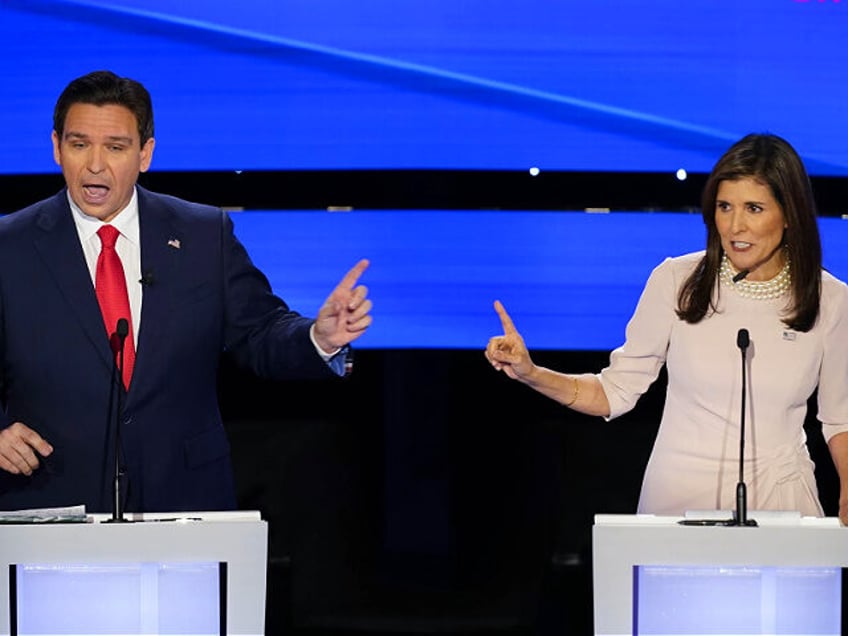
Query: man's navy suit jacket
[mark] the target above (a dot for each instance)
(203, 296)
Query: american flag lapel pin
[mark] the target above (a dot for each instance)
(174, 242)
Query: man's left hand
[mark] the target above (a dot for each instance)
(345, 314)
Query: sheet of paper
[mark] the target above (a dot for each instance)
(66, 514)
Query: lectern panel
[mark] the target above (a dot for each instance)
(161, 560)
(683, 579)
(695, 600)
(118, 598)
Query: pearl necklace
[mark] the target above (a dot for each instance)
(756, 289)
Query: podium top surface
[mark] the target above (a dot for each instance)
(226, 515)
(77, 515)
(764, 518)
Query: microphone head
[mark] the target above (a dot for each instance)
(122, 328)
(743, 339)
(741, 275)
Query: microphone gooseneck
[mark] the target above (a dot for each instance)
(740, 517)
(743, 340)
(122, 330)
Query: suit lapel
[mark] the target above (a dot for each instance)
(158, 231)
(59, 247)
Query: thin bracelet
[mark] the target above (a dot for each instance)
(576, 392)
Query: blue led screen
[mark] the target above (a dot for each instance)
(596, 85)
(569, 279)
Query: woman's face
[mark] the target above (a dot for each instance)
(750, 222)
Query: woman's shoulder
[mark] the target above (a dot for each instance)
(679, 266)
(833, 289)
(671, 273)
(830, 281)
(686, 261)
(834, 300)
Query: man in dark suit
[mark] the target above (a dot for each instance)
(189, 292)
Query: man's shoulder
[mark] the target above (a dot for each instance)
(188, 210)
(39, 212)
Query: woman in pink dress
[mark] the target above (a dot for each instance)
(762, 272)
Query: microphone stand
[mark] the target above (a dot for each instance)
(741, 519)
(121, 331)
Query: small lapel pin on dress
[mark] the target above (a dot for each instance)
(175, 243)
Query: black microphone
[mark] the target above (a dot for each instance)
(122, 330)
(742, 341)
(147, 279)
(744, 273)
(740, 276)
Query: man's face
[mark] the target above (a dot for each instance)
(101, 157)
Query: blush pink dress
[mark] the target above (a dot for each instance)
(694, 464)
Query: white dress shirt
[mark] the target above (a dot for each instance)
(128, 247)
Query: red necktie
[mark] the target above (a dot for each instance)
(110, 285)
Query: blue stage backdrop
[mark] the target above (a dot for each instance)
(596, 85)
(569, 279)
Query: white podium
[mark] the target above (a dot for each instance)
(222, 553)
(767, 564)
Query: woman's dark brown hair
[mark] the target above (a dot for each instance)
(773, 162)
